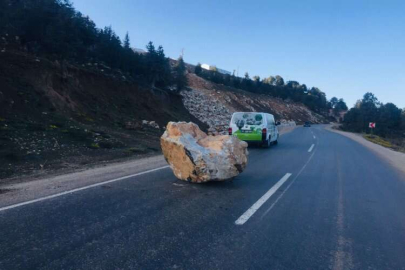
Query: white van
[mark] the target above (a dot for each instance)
(254, 127)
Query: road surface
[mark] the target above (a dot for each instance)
(318, 200)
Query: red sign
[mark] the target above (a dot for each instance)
(371, 125)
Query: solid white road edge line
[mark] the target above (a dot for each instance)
(245, 217)
(310, 149)
(79, 189)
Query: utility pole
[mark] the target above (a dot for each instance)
(182, 53)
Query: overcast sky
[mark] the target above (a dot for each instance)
(345, 48)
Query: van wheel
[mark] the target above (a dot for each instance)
(266, 143)
(276, 141)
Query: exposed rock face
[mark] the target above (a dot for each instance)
(209, 110)
(214, 104)
(196, 157)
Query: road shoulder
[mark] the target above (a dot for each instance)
(396, 159)
(20, 190)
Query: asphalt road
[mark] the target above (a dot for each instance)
(333, 205)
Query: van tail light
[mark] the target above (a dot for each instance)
(230, 131)
(264, 134)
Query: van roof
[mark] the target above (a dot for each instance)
(252, 112)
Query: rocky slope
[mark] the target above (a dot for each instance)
(214, 104)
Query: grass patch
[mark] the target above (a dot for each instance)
(378, 140)
(94, 146)
(137, 150)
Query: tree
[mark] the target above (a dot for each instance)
(340, 106)
(334, 101)
(279, 81)
(403, 120)
(158, 66)
(256, 82)
(389, 119)
(293, 84)
(150, 47)
(358, 104)
(55, 30)
(198, 69)
(246, 82)
(270, 80)
(163, 68)
(370, 98)
(127, 44)
(180, 77)
(369, 109)
(152, 63)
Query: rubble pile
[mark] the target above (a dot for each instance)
(209, 110)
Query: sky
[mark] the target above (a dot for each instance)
(345, 48)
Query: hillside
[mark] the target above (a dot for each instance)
(58, 116)
(214, 104)
(61, 116)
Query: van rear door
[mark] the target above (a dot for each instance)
(271, 127)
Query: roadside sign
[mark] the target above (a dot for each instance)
(371, 125)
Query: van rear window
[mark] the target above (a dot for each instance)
(247, 118)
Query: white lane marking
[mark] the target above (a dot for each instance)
(310, 149)
(289, 185)
(79, 189)
(245, 217)
(314, 137)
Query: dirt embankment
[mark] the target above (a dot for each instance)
(62, 116)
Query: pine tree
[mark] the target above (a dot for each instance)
(127, 44)
(198, 69)
(180, 70)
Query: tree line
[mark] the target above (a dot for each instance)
(53, 28)
(274, 86)
(389, 119)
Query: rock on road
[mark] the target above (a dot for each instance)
(318, 200)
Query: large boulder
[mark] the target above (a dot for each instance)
(196, 157)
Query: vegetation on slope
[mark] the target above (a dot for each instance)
(312, 97)
(53, 28)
